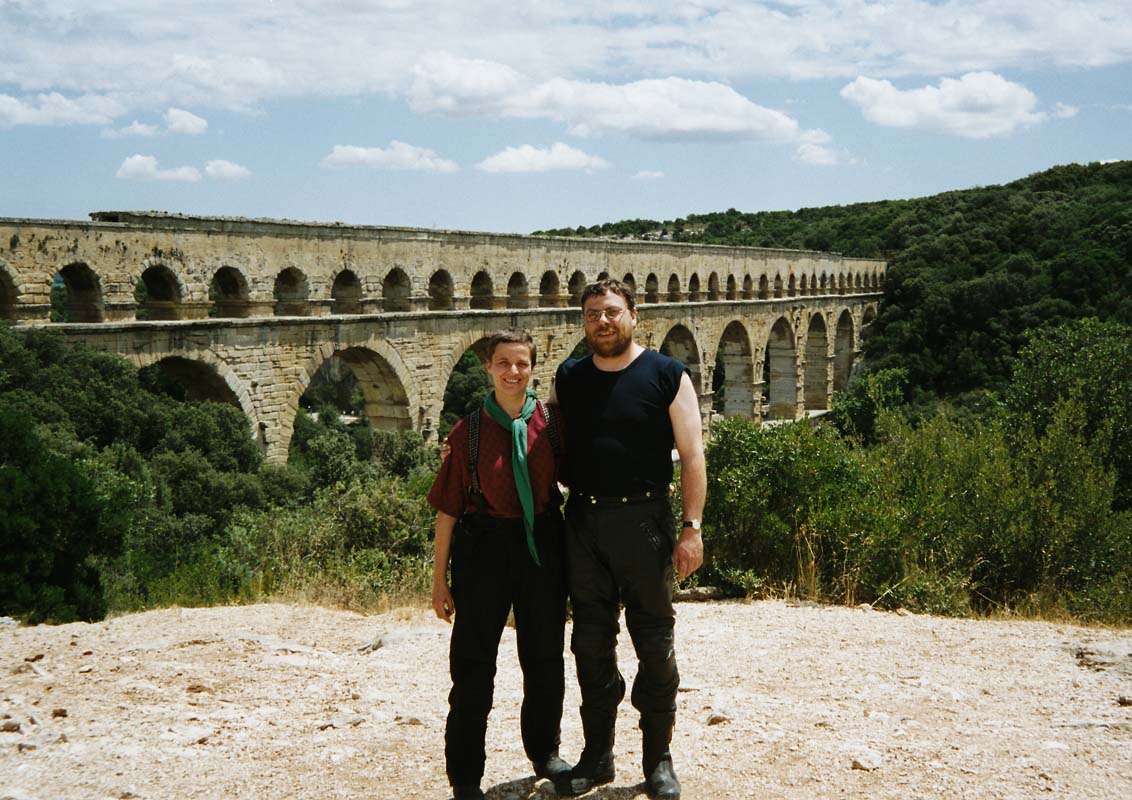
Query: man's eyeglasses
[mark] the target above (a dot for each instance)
(611, 314)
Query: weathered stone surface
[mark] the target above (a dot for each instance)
(400, 306)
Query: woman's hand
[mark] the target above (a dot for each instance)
(442, 602)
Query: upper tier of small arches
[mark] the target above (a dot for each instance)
(90, 273)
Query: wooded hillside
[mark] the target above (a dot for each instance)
(969, 271)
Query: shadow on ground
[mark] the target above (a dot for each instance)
(534, 789)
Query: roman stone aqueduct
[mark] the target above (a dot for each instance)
(246, 311)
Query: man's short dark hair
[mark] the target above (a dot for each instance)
(512, 336)
(613, 286)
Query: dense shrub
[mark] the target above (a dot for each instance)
(791, 507)
(1090, 361)
(947, 516)
(354, 542)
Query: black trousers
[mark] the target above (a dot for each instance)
(622, 554)
(492, 573)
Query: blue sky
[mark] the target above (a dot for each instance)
(505, 116)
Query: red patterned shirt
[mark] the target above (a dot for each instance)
(449, 492)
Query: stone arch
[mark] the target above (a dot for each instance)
(204, 376)
(440, 291)
(792, 287)
(517, 295)
(694, 294)
(630, 281)
(291, 293)
(474, 344)
(815, 379)
(778, 288)
(780, 372)
(549, 290)
(680, 343)
(228, 294)
(732, 292)
(748, 288)
(857, 281)
(346, 293)
(576, 286)
(822, 284)
(869, 315)
(483, 290)
(843, 344)
(764, 288)
(396, 288)
(841, 283)
(83, 293)
(673, 295)
(713, 287)
(735, 372)
(9, 294)
(652, 288)
(158, 293)
(602, 276)
(386, 383)
(804, 285)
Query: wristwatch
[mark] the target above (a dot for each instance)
(694, 524)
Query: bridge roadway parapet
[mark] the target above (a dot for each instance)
(246, 311)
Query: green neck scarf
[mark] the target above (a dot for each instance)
(518, 428)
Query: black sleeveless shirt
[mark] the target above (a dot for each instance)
(619, 435)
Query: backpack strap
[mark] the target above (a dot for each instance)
(474, 459)
(550, 414)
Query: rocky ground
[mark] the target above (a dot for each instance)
(779, 700)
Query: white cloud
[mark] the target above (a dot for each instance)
(135, 128)
(461, 86)
(1063, 111)
(666, 108)
(527, 158)
(648, 175)
(579, 62)
(211, 53)
(226, 170)
(57, 109)
(178, 120)
(398, 156)
(139, 167)
(978, 105)
(810, 153)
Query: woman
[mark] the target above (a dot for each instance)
(499, 519)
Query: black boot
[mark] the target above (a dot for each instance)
(595, 766)
(590, 771)
(656, 735)
(552, 767)
(661, 783)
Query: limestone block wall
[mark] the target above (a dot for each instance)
(194, 267)
(404, 361)
(246, 311)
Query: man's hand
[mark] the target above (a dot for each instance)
(442, 602)
(689, 554)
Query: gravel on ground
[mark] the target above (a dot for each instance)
(778, 700)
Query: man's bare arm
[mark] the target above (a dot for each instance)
(688, 432)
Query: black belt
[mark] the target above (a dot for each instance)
(617, 500)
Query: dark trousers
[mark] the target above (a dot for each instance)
(622, 554)
(492, 573)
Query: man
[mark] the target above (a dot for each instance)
(497, 503)
(625, 407)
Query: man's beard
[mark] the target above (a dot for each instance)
(610, 347)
